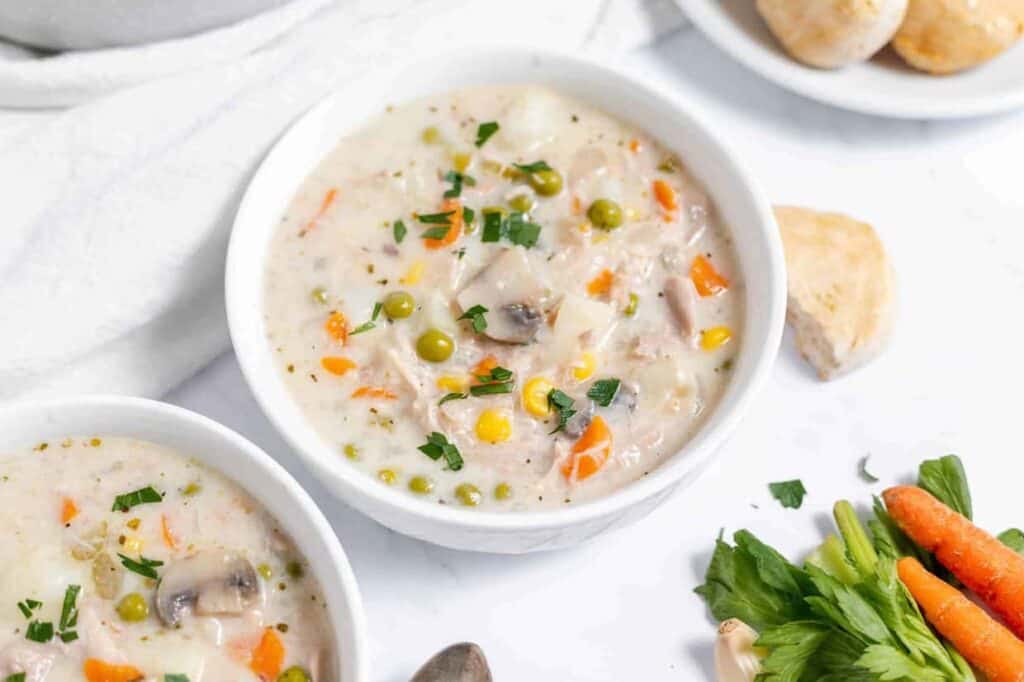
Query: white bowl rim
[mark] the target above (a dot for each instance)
(802, 79)
(261, 376)
(337, 568)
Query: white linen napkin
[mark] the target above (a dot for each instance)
(116, 213)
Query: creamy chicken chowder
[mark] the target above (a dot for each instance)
(128, 561)
(503, 298)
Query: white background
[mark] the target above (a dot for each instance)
(948, 200)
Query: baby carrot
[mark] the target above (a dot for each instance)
(590, 452)
(268, 656)
(68, 510)
(985, 643)
(986, 566)
(96, 670)
(454, 230)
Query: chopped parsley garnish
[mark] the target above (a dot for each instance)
(468, 215)
(437, 446)
(399, 230)
(39, 632)
(145, 495)
(562, 405)
(492, 389)
(476, 317)
(367, 326)
(176, 678)
(144, 567)
(28, 606)
(437, 218)
(862, 469)
(603, 391)
(16, 677)
(484, 131)
(452, 396)
(458, 180)
(437, 232)
(69, 613)
(790, 494)
(534, 167)
(496, 374)
(492, 227)
(521, 232)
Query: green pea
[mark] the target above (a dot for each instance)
(469, 494)
(388, 476)
(133, 608)
(398, 305)
(605, 214)
(431, 135)
(522, 203)
(351, 451)
(503, 491)
(421, 485)
(434, 346)
(319, 295)
(546, 183)
(294, 674)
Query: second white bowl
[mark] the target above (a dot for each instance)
(740, 205)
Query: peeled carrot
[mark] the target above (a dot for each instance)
(68, 510)
(985, 643)
(986, 566)
(590, 452)
(96, 670)
(268, 656)
(165, 530)
(665, 195)
(601, 284)
(337, 327)
(337, 365)
(374, 392)
(329, 198)
(454, 230)
(706, 279)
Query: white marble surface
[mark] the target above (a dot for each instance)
(947, 199)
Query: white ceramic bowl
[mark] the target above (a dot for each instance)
(24, 424)
(739, 203)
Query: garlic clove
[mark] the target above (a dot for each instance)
(736, 660)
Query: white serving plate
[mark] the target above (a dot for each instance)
(221, 449)
(884, 86)
(739, 202)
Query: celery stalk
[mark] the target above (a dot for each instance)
(858, 545)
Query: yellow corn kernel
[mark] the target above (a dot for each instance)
(461, 161)
(492, 426)
(414, 274)
(600, 238)
(584, 366)
(133, 545)
(453, 383)
(491, 166)
(713, 338)
(584, 227)
(535, 396)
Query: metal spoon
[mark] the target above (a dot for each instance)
(463, 662)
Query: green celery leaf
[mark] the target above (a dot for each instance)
(946, 480)
(1014, 539)
(889, 663)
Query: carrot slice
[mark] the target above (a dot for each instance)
(165, 530)
(986, 566)
(706, 279)
(374, 392)
(601, 284)
(484, 367)
(268, 656)
(337, 365)
(329, 198)
(665, 195)
(96, 670)
(68, 510)
(454, 230)
(337, 327)
(590, 452)
(634, 145)
(985, 643)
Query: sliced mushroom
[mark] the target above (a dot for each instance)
(211, 582)
(578, 423)
(463, 662)
(682, 301)
(512, 294)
